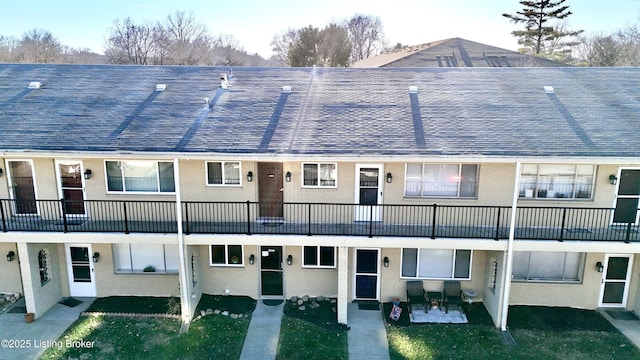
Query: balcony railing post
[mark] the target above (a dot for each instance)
(64, 215)
(309, 220)
(498, 225)
(433, 222)
(186, 218)
(248, 217)
(371, 220)
(126, 217)
(4, 219)
(564, 219)
(628, 238)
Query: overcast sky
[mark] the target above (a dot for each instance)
(86, 23)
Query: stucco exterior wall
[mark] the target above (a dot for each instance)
(43, 296)
(300, 281)
(239, 280)
(11, 280)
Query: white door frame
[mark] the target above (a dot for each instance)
(377, 274)
(59, 183)
(626, 281)
(81, 289)
(616, 196)
(364, 213)
(11, 185)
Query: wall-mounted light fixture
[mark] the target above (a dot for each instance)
(389, 178)
(87, 174)
(1, 172)
(96, 257)
(11, 255)
(385, 261)
(287, 176)
(250, 176)
(599, 267)
(252, 259)
(613, 179)
(289, 260)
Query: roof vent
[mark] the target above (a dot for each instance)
(35, 85)
(286, 89)
(413, 89)
(224, 82)
(549, 90)
(161, 87)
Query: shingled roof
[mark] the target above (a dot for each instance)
(329, 111)
(454, 52)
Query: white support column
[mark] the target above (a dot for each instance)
(508, 263)
(343, 283)
(27, 278)
(185, 301)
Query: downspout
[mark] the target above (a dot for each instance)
(508, 263)
(185, 302)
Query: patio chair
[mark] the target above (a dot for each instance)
(452, 295)
(416, 295)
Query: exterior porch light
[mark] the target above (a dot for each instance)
(1, 172)
(599, 267)
(252, 259)
(613, 179)
(96, 257)
(11, 255)
(250, 176)
(385, 262)
(287, 176)
(87, 174)
(389, 178)
(289, 260)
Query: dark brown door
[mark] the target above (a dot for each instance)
(270, 190)
(71, 186)
(22, 187)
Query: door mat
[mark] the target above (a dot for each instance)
(272, 302)
(18, 310)
(622, 315)
(70, 302)
(368, 305)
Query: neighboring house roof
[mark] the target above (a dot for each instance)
(352, 112)
(454, 52)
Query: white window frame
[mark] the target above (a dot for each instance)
(318, 266)
(319, 181)
(453, 265)
(131, 270)
(124, 190)
(535, 192)
(529, 279)
(224, 176)
(226, 257)
(459, 183)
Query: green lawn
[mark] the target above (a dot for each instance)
(540, 333)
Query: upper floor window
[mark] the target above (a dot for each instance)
(547, 266)
(319, 174)
(140, 176)
(319, 256)
(441, 180)
(557, 181)
(436, 263)
(223, 173)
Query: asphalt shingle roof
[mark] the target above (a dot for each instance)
(463, 111)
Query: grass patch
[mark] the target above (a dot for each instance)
(540, 333)
(232, 304)
(311, 333)
(137, 305)
(212, 337)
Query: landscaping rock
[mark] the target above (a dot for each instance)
(203, 313)
(302, 308)
(294, 299)
(333, 301)
(333, 309)
(300, 301)
(209, 312)
(321, 298)
(314, 305)
(225, 313)
(305, 298)
(233, 316)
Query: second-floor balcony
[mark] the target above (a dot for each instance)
(426, 221)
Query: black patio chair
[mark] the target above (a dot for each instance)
(416, 295)
(452, 295)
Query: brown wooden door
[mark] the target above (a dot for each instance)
(628, 196)
(22, 186)
(270, 190)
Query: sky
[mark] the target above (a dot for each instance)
(86, 23)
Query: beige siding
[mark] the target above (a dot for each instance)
(41, 297)
(492, 298)
(239, 280)
(10, 281)
(299, 281)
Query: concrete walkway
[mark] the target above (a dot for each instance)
(367, 337)
(630, 328)
(261, 341)
(28, 341)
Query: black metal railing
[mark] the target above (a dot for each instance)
(428, 221)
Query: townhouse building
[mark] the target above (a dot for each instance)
(522, 184)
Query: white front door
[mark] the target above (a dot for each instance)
(71, 187)
(80, 268)
(615, 280)
(368, 192)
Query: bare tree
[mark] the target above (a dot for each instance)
(599, 50)
(187, 41)
(38, 46)
(227, 51)
(366, 35)
(8, 47)
(129, 43)
(282, 42)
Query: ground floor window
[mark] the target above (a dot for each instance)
(319, 256)
(146, 258)
(436, 263)
(547, 266)
(226, 255)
